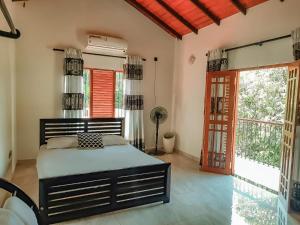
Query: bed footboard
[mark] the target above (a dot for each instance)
(76, 196)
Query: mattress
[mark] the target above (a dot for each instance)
(63, 162)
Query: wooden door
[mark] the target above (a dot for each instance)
(289, 131)
(219, 122)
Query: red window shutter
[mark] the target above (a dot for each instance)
(102, 93)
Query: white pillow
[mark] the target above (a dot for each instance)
(23, 211)
(62, 142)
(113, 140)
(8, 217)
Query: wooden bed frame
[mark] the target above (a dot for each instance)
(76, 196)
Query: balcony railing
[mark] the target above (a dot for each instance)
(259, 141)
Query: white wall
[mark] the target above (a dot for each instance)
(267, 20)
(7, 103)
(45, 24)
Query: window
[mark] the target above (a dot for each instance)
(86, 88)
(119, 90)
(103, 93)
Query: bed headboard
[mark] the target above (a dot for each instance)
(69, 127)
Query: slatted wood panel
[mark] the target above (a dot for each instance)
(70, 127)
(71, 197)
(102, 93)
(221, 8)
(289, 131)
(220, 116)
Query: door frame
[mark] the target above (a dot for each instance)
(285, 201)
(236, 105)
(234, 84)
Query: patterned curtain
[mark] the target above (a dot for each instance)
(73, 84)
(296, 43)
(217, 60)
(134, 101)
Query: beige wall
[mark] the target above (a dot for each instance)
(45, 24)
(268, 20)
(7, 103)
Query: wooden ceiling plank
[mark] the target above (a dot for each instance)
(239, 6)
(177, 16)
(206, 11)
(154, 18)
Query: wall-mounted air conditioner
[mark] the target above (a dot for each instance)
(106, 45)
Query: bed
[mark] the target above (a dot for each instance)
(116, 177)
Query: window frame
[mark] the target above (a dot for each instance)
(91, 72)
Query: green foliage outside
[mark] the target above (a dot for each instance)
(261, 98)
(86, 90)
(119, 91)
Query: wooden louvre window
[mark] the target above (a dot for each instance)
(102, 93)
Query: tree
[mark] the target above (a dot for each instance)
(262, 94)
(262, 98)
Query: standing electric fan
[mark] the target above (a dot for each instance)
(158, 115)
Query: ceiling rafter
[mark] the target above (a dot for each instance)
(154, 18)
(206, 11)
(177, 16)
(181, 17)
(240, 6)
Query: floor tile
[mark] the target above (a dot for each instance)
(197, 198)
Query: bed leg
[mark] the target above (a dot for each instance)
(43, 203)
(168, 184)
(166, 201)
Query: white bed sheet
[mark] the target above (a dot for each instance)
(63, 162)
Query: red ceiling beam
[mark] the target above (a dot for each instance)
(240, 6)
(207, 12)
(154, 18)
(177, 16)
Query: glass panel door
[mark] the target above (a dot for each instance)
(220, 117)
(289, 131)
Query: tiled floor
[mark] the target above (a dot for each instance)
(257, 172)
(197, 198)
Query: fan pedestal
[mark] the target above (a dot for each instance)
(156, 151)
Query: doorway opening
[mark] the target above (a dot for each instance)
(261, 109)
